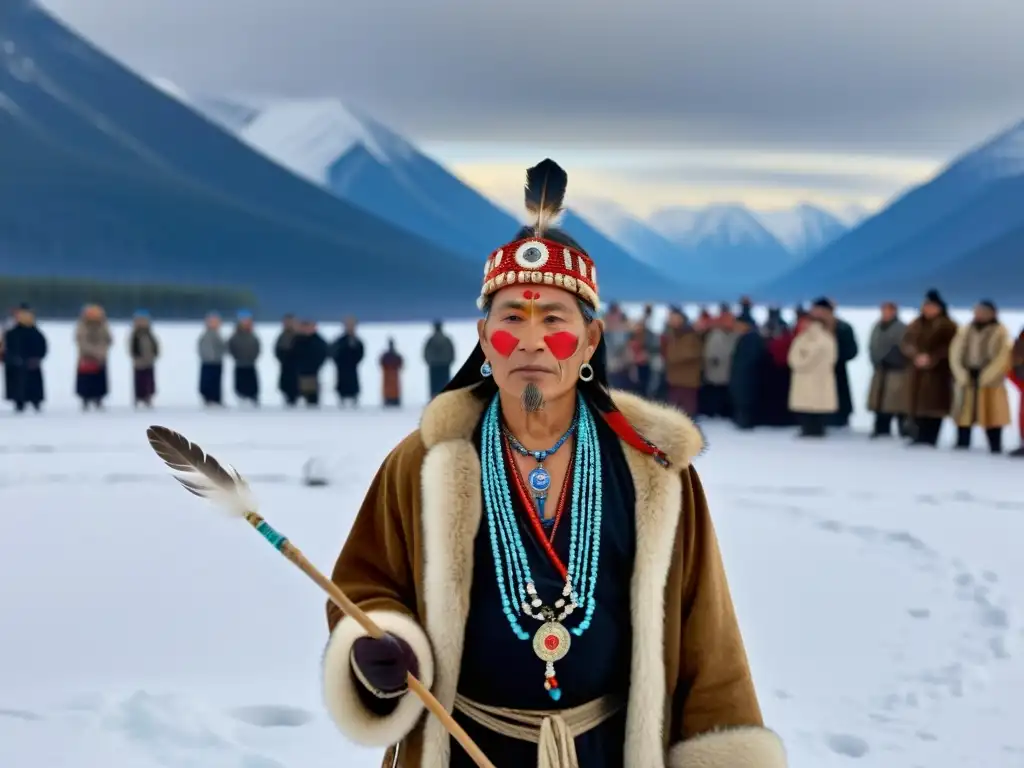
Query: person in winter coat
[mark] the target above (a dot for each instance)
(813, 393)
(212, 349)
(93, 339)
(746, 373)
(617, 333)
(24, 348)
(846, 340)
(347, 351)
(683, 352)
(144, 350)
(288, 379)
(438, 354)
(777, 376)
(391, 376)
(930, 382)
(244, 347)
(887, 396)
(311, 351)
(980, 356)
(719, 346)
(1017, 377)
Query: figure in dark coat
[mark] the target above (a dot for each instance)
(144, 349)
(887, 396)
(846, 340)
(24, 348)
(747, 368)
(212, 349)
(930, 382)
(777, 375)
(347, 352)
(309, 350)
(288, 380)
(244, 347)
(439, 354)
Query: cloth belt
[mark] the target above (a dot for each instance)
(553, 731)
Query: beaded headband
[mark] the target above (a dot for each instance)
(537, 256)
(537, 261)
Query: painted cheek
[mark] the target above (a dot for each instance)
(563, 344)
(504, 343)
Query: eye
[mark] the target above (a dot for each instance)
(511, 319)
(532, 254)
(552, 319)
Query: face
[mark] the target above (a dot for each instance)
(350, 325)
(983, 314)
(888, 312)
(537, 335)
(930, 310)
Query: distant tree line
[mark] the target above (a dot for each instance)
(64, 298)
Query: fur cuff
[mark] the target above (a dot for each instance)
(745, 747)
(342, 698)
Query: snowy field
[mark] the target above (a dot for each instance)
(875, 584)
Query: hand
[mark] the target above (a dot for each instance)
(922, 361)
(383, 665)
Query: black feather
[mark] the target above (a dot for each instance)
(546, 183)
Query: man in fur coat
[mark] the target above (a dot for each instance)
(541, 554)
(980, 357)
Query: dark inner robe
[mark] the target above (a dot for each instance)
(501, 670)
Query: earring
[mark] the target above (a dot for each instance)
(485, 369)
(586, 372)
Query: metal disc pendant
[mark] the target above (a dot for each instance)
(539, 481)
(551, 643)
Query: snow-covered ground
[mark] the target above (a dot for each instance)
(879, 588)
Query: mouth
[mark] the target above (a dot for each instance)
(531, 369)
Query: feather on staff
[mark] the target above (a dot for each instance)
(203, 476)
(546, 183)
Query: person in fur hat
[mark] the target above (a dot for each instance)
(541, 555)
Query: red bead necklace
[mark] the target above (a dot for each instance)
(546, 539)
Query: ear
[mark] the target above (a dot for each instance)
(594, 332)
(481, 336)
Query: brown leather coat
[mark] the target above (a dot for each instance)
(408, 561)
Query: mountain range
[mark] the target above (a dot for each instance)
(960, 232)
(317, 207)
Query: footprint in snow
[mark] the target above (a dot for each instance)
(272, 716)
(847, 744)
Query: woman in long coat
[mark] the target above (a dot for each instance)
(813, 393)
(93, 339)
(887, 396)
(980, 356)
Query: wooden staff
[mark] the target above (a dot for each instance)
(204, 476)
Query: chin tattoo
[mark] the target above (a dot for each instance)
(532, 398)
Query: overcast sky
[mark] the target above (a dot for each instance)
(654, 101)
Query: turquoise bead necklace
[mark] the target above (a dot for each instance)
(539, 479)
(516, 586)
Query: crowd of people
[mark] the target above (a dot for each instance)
(300, 349)
(779, 373)
(717, 366)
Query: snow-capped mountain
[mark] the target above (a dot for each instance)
(364, 162)
(105, 176)
(728, 247)
(973, 201)
(803, 230)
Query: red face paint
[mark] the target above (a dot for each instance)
(504, 343)
(563, 344)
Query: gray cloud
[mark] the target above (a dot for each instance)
(900, 76)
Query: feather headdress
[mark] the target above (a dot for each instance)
(546, 183)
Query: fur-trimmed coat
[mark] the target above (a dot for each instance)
(989, 349)
(408, 562)
(812, 359)
(929, 389)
